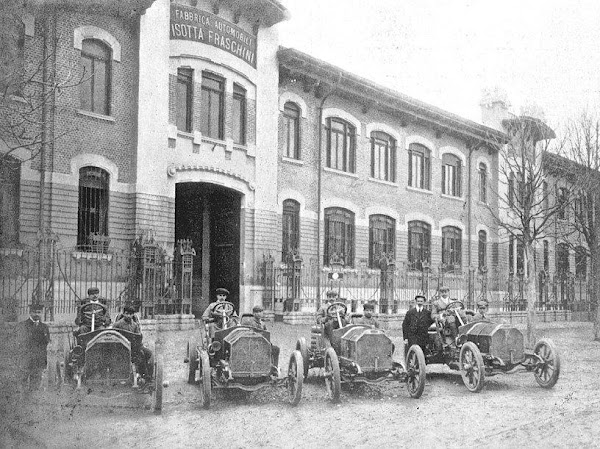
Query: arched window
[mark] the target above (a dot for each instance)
(482, 250)
(419, 166)
(339, 235)
(581, 262)
(451, 175)
(291, 130)
(10, 177)
(419, 244)
(383, 156)
(451, 248)
(93, 209)
(96, 83)
(382, 238)
(341, 145)
(290, 228)
(483, 182)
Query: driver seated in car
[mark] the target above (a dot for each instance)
(142, 358)
(447, 318)
(335, 321)
(215, 320)
(92, 311)
(322, 312)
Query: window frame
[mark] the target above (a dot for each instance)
(378, 246)
(451, 175)
(381, 141)
(291, 114)
(482, 249)
(418, 255)
(106, 59)
(417, 151)
(562, 259)
(348, 150)
(207, 94)
(344, 220)
(239, 96)
(10, 182)
(451, 249)
(290, 235)
(483, 182)
(581, 262)
(101, 195)
(185, 77)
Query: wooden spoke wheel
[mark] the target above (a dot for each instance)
(333, 380)
(472, 368)
(415, 371)
(205, 378)
(295, 378)
(546, 373)
(303, 348)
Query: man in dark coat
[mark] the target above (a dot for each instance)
(33, 337)
(416, 324)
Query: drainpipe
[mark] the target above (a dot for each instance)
(319, 186)
(469, 220)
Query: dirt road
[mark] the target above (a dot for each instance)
(511, 411)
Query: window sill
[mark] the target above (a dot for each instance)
(185, 135)
(454, 198)
(382, 181)
(292, 160)
(106, 118)
(416, 190)
(340, 172)
(91, 256)
(215, 142)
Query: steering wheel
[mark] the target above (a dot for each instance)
(336, 308)
(221, 308)
(455, 305)
(89, 305)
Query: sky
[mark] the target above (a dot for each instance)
(544, 54)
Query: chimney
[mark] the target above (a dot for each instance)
(494, 108)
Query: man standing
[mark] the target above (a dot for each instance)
(416, 324)
(33, 337)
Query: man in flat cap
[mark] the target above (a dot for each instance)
(446, 318)
(481, 314)
(141, 355)
(215, 320)
(92, 311)
(416, 324)
(368, 318)
(33, 337)
(322, 312)
(259, 323)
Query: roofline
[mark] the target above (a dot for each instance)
(299, 61)
(542, 131)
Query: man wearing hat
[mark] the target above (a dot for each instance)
(94, 311)
(141, 356)
(215, 320)
(368, 318)
(33, 337)
(481, 314)
(416, 324)
(444, 318)
(322, 312)
(93, 293)
(259, 323)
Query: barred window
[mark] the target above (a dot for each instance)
(184, 99)
(382, 238)
(419, 166)
(419, 244)
(451, 175)
(239, 115)
(562, 259)
(383, 156)
(291, 130)
(482, 249)
(10, 177)
(290, 228)
(451, 248)
(483, 182)
(581, 262)
(341, 144)
(95, 86)
(212, 120)
(339, 235)
(93, 206)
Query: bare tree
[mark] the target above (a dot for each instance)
(525, 211)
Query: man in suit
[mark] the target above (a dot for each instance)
(33, 337)
(416, 324)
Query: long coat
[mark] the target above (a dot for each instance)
(416, 325)
(32, 343)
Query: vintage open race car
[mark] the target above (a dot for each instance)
(239, 357)
(485, 348)
(359, 353)
(105, 357)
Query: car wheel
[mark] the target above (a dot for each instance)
(472, 368)
(157, 394)
(192, 354)
(333, 380)
(295, 378)
(205, 380)
(303, 348)
(415, 371)
(546, 374)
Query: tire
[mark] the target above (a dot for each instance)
(333, 380)
(415, 370)
(157, 394)
(205, 380)
(472, 368)
(295, 378)
(192, 354)
(547, 374)
(303, 348)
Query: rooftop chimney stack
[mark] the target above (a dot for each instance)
(494, 108)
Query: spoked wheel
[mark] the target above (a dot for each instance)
(295, 378)
(192, 354)
(472, 368)
(546, 374)
(415, 371)
(205, 380)
(303, 348)
(157, 394)
(333, 380)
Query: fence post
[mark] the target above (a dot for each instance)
(184, 263)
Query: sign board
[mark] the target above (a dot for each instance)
(192, 24)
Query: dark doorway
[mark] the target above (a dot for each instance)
(209, 215)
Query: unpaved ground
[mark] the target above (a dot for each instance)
(512, 411)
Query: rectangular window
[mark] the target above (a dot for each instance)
(93, 210)
(339, 236)
(94, 89)
(419, 169)
(341, 145)
(451, 248)
(212, 120)
(419, 241)
(291, 228)
(383, 157)
(483, 183)
(10, 178)
(239, 115)
(291, 130)
(184, 100)
(482, 250)
(451, 175)
(382, 239)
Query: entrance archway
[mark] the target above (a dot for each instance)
(209, 215)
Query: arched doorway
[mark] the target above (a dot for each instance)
(209, 215)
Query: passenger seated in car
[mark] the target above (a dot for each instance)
(92, 311)
(368, 318)
(258, 323)
(481, 314)
(142, 357)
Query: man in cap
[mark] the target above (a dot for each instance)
(322, 312)
(416, 324)
(93, 293)
(141, 356)
(259, 323)
(214, 319)
(33, 337)
(92, 311)
(446, 318)
(368, 318)
(481, 314)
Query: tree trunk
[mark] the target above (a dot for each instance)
(531, 294)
